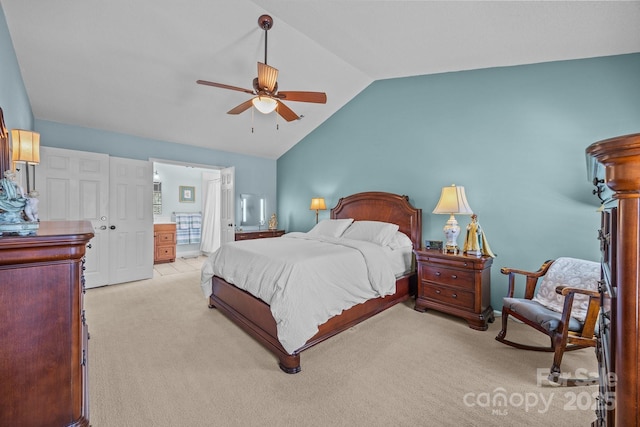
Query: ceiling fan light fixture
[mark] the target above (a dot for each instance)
(264, 104)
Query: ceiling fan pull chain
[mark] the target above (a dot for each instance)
(252, 120)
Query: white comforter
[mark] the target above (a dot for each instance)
(305, 279)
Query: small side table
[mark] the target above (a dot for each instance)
(455, 284)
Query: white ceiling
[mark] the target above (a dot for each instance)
(130, 66)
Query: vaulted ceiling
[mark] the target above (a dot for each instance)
(131, 66)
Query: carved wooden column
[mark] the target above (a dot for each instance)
(620, 157)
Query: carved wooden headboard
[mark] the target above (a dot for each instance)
(385, 207)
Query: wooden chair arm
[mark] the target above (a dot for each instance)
(565, 290)
(531, 278)
(591, 317)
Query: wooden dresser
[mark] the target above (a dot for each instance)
(164, 242)
(455, 284)
(43, 333)
(258, 234)
(616, 165)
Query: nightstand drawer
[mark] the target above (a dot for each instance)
(455, 297)
(450, 262)
(448, 276)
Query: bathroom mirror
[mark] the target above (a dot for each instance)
(252, 210)
(157, 198)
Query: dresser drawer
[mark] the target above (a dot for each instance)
(448, 276)
(454, 297)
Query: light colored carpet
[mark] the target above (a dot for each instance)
(158, 356)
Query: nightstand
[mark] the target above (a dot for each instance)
(455, 284)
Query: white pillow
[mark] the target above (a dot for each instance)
(400, 240)
(378, 232)
(576, 273)
(331, 227)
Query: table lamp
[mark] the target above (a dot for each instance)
(25, 149)
(453, 201)
(317, 204)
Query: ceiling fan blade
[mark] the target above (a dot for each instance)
(286, 112)
(317, 97)
(241, 108)
(223, 86)
(267, 76)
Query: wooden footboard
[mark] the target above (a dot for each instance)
(254, 317)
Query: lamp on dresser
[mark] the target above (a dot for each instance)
(25, 147)
(318, 204)
(453, 201)
(19, 211)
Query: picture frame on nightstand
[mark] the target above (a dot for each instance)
(433, 244)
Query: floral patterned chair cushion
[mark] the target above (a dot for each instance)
(572, 272)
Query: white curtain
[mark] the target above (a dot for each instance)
(211, 218)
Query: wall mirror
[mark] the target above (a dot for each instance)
(252, 210)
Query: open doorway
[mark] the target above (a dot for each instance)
(182, 196)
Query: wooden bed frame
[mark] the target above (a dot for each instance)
(254, 316)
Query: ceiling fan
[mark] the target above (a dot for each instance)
(266, 97)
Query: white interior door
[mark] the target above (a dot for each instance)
(131, 220)
(115, 195)
(74, 185)
(228, 205)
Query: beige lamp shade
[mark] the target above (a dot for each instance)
(318, 204)
(25, 146)
(453, 200)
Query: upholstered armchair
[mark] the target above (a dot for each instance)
(564, 306)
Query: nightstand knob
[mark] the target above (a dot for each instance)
(437, 291)
(453, 276)
(454, 296)
(437, 273)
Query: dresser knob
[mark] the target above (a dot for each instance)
(437, 273)
(454, 296)
(453, 276)
(437, 291)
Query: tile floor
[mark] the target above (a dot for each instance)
(181, 265)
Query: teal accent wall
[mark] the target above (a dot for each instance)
(14, 100)
(514, 137)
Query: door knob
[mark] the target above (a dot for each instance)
(113, 227)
